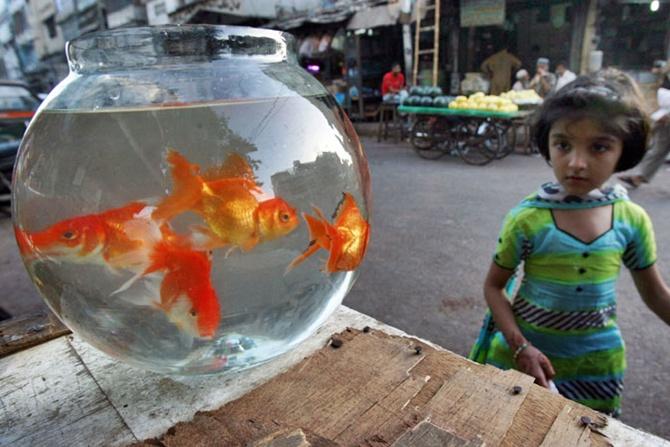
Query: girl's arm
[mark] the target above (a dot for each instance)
(653, 290)
(530, 360)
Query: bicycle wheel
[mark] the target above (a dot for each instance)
(421, 137)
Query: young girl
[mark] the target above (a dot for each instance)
(572, 237)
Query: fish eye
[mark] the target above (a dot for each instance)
(193, 313)
(69, 235)
(284, 217)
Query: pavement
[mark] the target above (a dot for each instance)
(434, 227)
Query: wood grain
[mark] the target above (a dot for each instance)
(152, 403)
(48, 398)
(567, 430)
(371, 391)
(473, 405)
(25, 332)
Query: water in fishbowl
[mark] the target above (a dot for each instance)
(193, 238)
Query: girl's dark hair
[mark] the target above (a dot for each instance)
(606, 101)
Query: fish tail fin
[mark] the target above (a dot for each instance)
(159, 259)
(319, 213)
(318, 228)
(186, 188)
(209, 312)
(235, 166)
(317, 233)
(126, 285)
(142, 293)
(313, 248)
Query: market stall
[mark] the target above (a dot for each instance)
(478, 129)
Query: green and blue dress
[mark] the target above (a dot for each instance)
(566, 302)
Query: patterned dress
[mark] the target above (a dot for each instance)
(566, 303)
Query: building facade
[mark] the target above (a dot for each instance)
(628, 33)
(49, 43)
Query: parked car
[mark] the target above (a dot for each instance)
(17, 107)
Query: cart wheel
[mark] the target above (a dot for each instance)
(477, 142)
(506, 140)
(421, 137)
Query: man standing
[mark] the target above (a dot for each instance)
(565, 76)
(499, 67)
(393, 85)
(544, 81)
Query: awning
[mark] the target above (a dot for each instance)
(364, 14)
(337, 12)
(245, 9)
(383, 15)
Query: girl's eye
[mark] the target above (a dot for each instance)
(600, 148)
(561, 145)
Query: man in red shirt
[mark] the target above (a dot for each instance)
(393, 85)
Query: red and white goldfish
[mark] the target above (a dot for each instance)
(224, 198)
(186, 293)
(346, 239)
(127, 238)
(120, 238)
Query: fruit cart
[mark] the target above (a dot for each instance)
(477, 136)
(479, 129)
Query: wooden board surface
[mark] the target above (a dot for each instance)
(17, 334)
(49, 399)
(568, 430)
(375, 388)
(371, 391)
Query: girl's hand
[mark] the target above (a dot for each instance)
(532, 362)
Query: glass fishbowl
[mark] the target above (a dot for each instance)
(189, 200)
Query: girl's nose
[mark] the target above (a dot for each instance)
(577, 160)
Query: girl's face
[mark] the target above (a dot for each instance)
(582, 155)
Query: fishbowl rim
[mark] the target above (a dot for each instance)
(118, 46)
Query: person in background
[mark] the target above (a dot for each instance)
(522, 80)
(659, 147)
(544, 81)
(393, 85)
(564, 76)
(499, 67)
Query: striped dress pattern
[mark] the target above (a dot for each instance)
(566, 302)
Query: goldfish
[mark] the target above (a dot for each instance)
(186, 293)
(225, 197)
(119, 238)
(127, 238)
(346, 238)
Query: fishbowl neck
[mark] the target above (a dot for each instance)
(132, 48)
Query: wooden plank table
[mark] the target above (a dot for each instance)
(381, 387)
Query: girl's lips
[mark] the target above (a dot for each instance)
(576, 179)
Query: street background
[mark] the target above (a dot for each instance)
(434, 227)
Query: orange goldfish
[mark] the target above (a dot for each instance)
(346, 239)
(186, 293)
(224, 197)
(119, 238)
